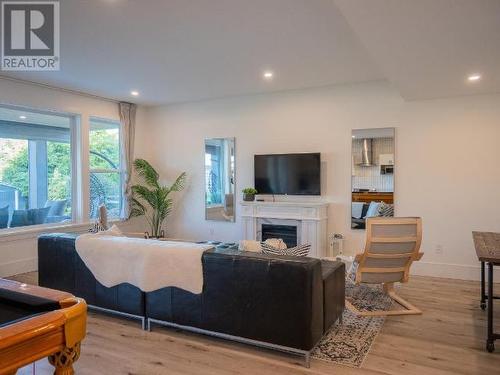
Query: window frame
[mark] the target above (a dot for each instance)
(120, 170)
(80, 171)
(74, 124)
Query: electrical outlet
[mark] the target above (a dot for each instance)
(439, 249)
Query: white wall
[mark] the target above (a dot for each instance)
(18, 252)
(447, 159)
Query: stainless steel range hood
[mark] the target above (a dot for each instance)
(366, 159)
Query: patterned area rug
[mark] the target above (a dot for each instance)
(349, 343)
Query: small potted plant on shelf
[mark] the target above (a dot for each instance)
(249, 194)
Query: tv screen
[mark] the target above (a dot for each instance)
(292, 174)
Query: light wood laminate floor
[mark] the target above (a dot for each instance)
(447, 339)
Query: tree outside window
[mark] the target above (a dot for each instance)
(105, 167)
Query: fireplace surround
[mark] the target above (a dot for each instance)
(309, 218)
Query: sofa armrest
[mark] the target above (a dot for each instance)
(60, 267)
(333, 291)
(56, 261)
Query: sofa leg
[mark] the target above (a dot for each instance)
(307, 359)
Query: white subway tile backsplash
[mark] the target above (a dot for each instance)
(370, 177)
(379, 183)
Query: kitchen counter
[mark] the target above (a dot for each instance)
(369, 196)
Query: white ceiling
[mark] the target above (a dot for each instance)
(427, 48)
(186, 50)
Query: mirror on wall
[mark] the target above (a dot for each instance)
(372, 181)
(219, 179)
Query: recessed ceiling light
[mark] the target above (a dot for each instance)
(134, 93)
(354, 136)
(268, 75)
(474, 77)
(22, 117)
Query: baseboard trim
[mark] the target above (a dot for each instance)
(449, 271)
(444, 270)
(18, 267)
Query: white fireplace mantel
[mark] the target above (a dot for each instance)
(311, 219)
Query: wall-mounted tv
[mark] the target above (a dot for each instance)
(292, 174)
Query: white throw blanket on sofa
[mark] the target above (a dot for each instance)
(147, 264)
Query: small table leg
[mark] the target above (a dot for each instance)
(483, 293)
(490, 342)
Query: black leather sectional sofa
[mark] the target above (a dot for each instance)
(285, 303)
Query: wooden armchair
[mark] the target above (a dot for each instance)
(392, 245)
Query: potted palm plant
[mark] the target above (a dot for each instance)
(152, 200)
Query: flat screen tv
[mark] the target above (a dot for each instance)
(292, 174)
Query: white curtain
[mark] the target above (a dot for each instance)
(127, 120)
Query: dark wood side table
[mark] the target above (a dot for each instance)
(487, 246)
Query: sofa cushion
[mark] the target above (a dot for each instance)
(373, 209)
(4, 217)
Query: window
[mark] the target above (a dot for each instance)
(105, 167)
(35, 167)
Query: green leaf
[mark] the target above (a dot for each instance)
(154, 198)
(144, 193)
(146, 171)
(178, 185)
(137, 208)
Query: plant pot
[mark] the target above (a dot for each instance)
(148, 236)
(248, 197)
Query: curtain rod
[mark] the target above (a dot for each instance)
(44, 85)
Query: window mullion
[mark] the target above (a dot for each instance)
(81, 169)
(38, 179)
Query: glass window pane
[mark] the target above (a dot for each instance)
(35, 167)
(59, 177)
(105, 188)
(104, 140)
(14, 177)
